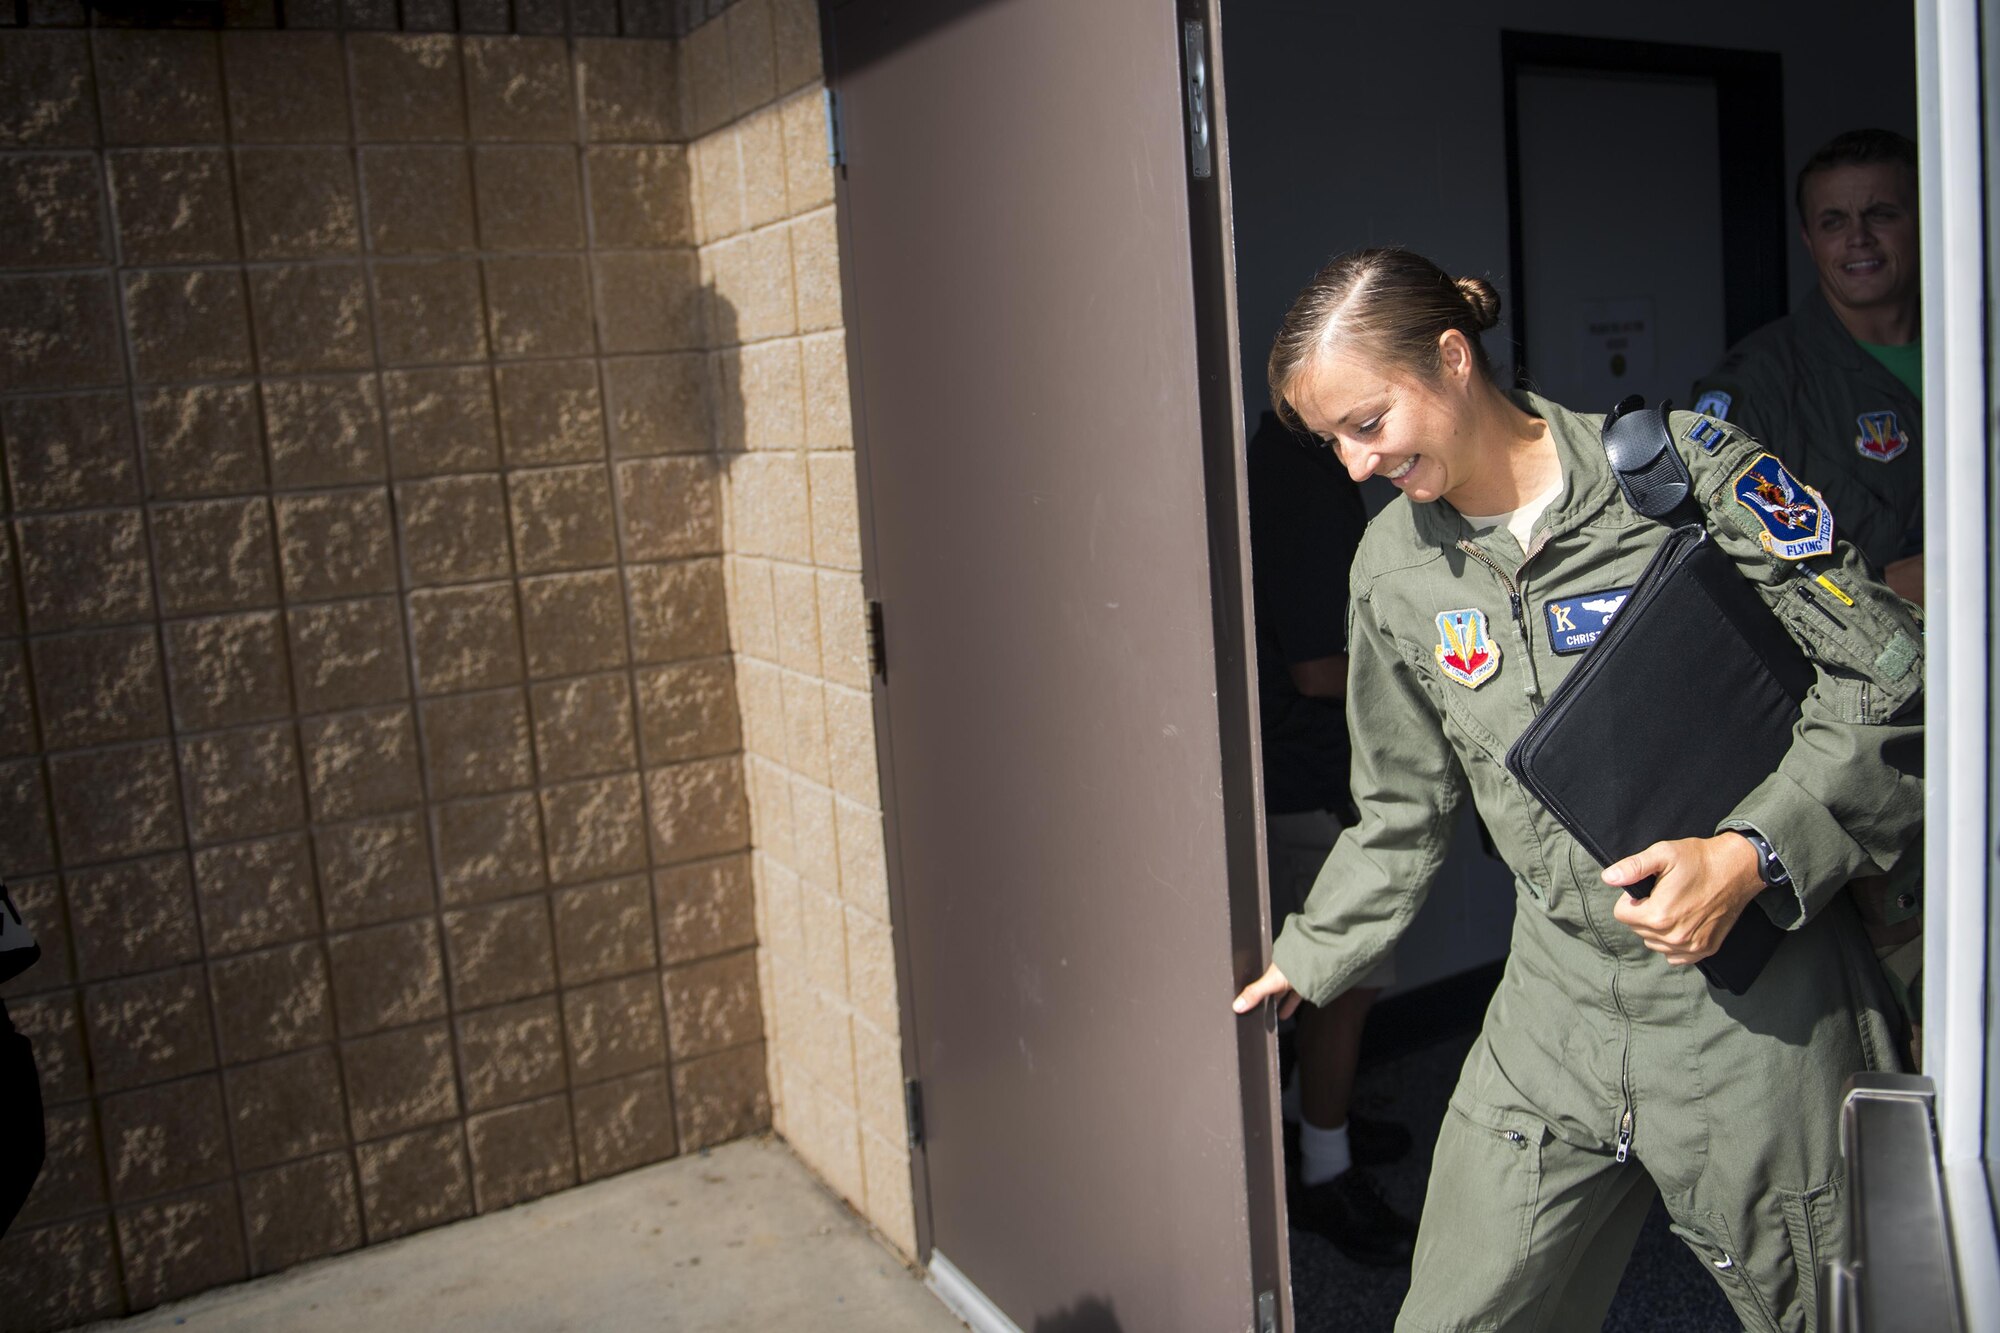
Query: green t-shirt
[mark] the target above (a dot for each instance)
(1904, 361)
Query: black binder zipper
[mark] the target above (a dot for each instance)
(1514, 607)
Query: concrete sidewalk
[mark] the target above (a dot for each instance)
(742, 1238)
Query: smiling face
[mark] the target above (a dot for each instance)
(1382, 421)
(1860, 225)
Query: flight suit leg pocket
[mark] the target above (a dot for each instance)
(1812, 1222)
(1477, 1241)
(1751, 1282)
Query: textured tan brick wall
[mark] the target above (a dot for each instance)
(369, 743)
(765, 221)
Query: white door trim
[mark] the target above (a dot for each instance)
(1959, 681)
(964, 1299)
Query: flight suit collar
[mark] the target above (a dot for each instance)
(1587, 481)
(1821, 330)
(1828, 336)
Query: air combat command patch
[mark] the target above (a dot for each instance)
(1577, 622)
(1465, 651)
(1882, 437)
(1793, 521)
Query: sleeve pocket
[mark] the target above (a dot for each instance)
(1871, 665)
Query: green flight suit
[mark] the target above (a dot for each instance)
(1839, 419)
(1845, 424)
(1594, 1049)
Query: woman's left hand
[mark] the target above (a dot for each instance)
(1703, 885)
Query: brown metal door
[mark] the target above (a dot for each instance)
(1039, 318)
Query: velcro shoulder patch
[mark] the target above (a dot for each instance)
(1897, 657)
(1715, 403)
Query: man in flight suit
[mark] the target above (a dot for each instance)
(1836, 389)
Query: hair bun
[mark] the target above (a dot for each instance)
(1485, 302)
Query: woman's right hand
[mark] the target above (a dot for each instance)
(1271, 985)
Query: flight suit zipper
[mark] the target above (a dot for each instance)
(1623, 1137)
(1507, 581)
(1511, 583)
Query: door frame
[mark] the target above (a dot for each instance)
(1956, 53)
(1218, 333)
(1750, 124)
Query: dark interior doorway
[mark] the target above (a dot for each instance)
(1405, 125)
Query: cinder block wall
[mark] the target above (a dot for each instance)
(770, 252)
(369, 743)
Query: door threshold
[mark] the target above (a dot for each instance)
(966, 1301)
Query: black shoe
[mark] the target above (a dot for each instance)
(1349, 1211)
(1376, 1142)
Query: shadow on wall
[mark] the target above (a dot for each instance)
(1089, 1315)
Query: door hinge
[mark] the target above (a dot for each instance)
(878, 647)
(913, 1110)
(1267, 1312)
(836, 150)
(1194, 42)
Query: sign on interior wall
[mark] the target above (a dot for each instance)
(1615, 346)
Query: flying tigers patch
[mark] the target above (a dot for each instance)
(1577, 622)
(1466, 652)
(1792, 519)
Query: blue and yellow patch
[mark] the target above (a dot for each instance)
(1794, 522)
(1577, 622)
(1465, 650)
(1715, 403)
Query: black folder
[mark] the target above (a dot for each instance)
(1684, 705)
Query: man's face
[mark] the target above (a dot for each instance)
(1861, 229)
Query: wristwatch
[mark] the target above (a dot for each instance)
(1769, 868)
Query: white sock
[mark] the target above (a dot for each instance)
(1288, 1102)
(1323, 1153)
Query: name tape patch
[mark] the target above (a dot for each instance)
(1793, 521)
(1577, 622)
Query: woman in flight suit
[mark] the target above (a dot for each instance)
(1606, 1065)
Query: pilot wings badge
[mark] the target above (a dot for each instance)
(1793, 522)
(1882, 437)
(1466, 652)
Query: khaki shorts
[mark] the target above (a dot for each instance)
(1298, 845)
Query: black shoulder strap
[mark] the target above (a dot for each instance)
(1649, 469)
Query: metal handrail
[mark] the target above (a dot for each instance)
(1895, 1270)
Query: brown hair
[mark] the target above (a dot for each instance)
(1389, 303)
(1856, 148)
